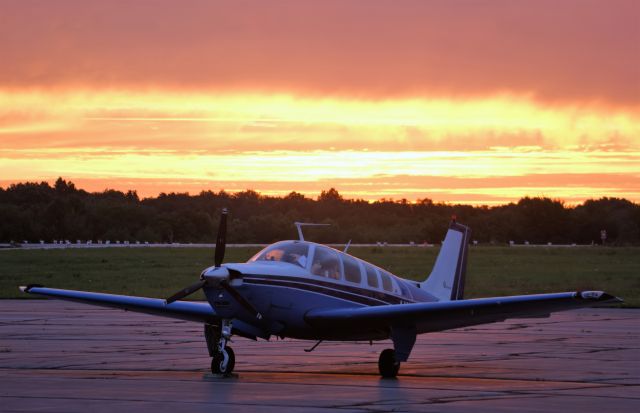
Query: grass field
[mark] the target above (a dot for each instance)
(492, 271)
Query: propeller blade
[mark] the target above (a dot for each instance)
(221, 240)
(186, 291)
(241, 300)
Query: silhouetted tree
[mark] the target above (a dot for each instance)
(33, 211)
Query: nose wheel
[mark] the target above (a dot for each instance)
(387, 363)
(223, 361)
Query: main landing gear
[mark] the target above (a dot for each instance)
(387, 363)
(223, 359)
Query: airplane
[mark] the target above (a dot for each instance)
(304, 290)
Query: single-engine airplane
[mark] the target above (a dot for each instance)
(303, 290)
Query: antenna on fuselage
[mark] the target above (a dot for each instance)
(299, 226)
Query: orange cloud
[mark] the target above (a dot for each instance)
(463, 101)
(474, 177)
(165, 141)
(570, 51)
(161, 120)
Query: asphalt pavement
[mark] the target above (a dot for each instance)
(65, 357)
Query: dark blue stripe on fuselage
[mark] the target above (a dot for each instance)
(346, 292)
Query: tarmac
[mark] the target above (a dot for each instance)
(65, 357)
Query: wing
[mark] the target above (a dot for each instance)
(445, 315)
(183, 310)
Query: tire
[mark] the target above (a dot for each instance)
(218, 358)
(387, 364)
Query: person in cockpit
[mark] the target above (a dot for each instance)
(296, 254)
(327, 268)
(298, 259)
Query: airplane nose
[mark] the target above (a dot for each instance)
(215, 274)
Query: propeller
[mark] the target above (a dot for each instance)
(221, 277)
(186, 291)
(221, 240)
(240, 299)
(221, 243)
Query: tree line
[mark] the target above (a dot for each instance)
(34, 211)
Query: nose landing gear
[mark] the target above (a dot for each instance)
(223, 359)
(223, 362)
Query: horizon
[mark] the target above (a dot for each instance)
(308, 196)
(460, 102)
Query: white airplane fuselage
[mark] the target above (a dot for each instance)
(281, 291)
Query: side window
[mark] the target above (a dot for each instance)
(326, 263)
(351, 269)
(386, 282)
(372, 277)
(404, 289)
(392, 283)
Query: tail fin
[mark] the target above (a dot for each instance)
(446, 281)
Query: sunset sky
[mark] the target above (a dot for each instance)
(479, 102)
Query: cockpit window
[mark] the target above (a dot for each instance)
(351, 269)
(291, 252)
(326, 263)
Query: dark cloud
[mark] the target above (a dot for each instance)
(576, 51)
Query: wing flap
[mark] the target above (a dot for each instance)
(445, 315)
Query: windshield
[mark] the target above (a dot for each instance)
(289, 251)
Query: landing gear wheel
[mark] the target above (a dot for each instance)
(387, 363)
(218, 360)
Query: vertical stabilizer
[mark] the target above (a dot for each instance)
(446, 281)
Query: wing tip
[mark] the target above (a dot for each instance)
(27, 288)
(599, 296)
